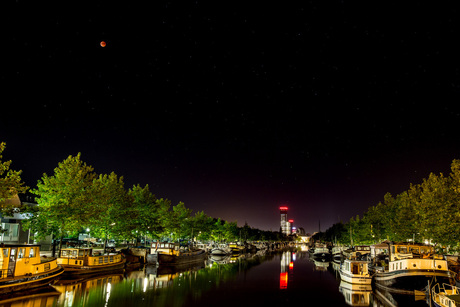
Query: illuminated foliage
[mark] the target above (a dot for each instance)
(427, 211)
(64, 198)
(10, 182)
(108, 201)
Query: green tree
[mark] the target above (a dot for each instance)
(148, 212)
(201, 226)
(230, 231)
(179, 224)
(108, 202)
(10, 183)
(63, 199)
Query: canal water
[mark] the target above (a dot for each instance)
(283, 277)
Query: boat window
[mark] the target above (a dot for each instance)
(81, 253)
(5, 252)
(425, 249)
(21, 252)
(32, 252)
(402, 249)
(415, 249)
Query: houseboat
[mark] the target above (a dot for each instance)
(77, 261)
(321, 250)
(408, 266)
(220, 250)
(355, 272)
(167, 253)
(237, 248)
(22, 268)
(445, 295)
(357, 252)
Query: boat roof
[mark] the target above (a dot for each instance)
(17, 245)
(76, 248)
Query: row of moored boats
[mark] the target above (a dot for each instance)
(23, 267)
(405, 268)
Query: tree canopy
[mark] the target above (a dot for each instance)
(11, 183)
(428, 211)
(75, 198)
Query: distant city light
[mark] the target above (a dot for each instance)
(283, 208)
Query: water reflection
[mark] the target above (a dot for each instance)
(279, 278)
(45, 296)
(356, 295)
(89, 289)
(287, 267)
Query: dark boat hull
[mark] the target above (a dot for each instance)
(165, 259)
(84, 270)
(30, 282)
(411, 280)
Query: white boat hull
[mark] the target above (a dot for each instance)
(355, 278)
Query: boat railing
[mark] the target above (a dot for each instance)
(445, 289)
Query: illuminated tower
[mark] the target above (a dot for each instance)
(284, 222)
(291, 224)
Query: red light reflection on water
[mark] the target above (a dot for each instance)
(283, 280)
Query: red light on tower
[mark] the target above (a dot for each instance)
(291, 221)
(283, 208)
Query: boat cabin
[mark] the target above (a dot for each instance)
(397, 251)
(22, 259)
(395, 256)
(85, 257)
(357, 252)
(168, 248)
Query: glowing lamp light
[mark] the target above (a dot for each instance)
(291, 221)
(283, 208)
(291, 265)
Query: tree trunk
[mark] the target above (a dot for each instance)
(60, 244)
(105, 242)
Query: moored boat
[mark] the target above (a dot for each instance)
(321, 250)
(221, 249)
(408, 266)
(445, 295)
(358, 252)
(355, 272)
(22, 268)
(171, 254)
(236, 248)
(337, 252)
(77, 261)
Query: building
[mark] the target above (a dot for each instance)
(284, 223)
(11, 226)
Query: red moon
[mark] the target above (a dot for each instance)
(103, 44)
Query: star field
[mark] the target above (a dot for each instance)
(236, 109)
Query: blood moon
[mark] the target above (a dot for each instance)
(103, 44)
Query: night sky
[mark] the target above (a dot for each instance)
(236, 108)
